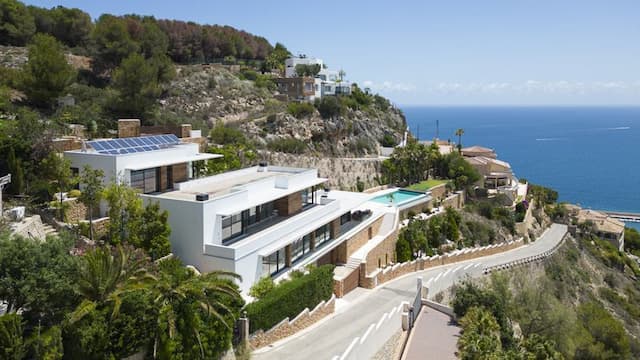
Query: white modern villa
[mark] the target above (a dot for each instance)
(258, 221)
(326, 82)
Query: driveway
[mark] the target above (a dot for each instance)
(365, 319)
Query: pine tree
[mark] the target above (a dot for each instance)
(47, 74)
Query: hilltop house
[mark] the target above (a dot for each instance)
(496, 175)
(604, 226)
(258, 221)
(327, 82)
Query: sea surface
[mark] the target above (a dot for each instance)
(590, 155)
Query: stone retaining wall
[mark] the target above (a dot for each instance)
(287, 328)
(343, 173)
(381, 276)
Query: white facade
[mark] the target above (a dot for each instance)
(197, 226)
(290, 65)
(120, 166)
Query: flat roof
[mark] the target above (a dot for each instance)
(222, 184)
(173, 161)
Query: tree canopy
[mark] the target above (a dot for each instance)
(46, 74)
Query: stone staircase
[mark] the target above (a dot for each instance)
(48, 230)
(353, 263)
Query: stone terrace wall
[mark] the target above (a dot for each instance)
(381, 276)
(287, 328)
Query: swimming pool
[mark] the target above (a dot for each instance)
(398, 197)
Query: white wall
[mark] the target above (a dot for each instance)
(290, 65)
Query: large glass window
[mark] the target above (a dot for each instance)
(144, 180)
(308, 196)
(237, 224)
(231, 226)
(300, 248)
(345, 218)
(322, 235)
(273, 263)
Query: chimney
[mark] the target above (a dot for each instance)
(128, 128)
(262, 166)
(185, 131)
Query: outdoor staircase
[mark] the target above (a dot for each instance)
(353, 263)
(48, 230)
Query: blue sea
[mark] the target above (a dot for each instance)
(590, 155)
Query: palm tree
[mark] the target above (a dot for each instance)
(181, 294)
(459, 134)
(104, 276)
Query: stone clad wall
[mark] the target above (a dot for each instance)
(383, 253)
(289, 327)
(455, 201)
(362, 237)
(438, 192)
(381, 276)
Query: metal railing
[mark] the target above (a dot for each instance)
(527, 260)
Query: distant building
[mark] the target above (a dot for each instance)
(605, 226)
(496, 175)
(476, 150)
(444, 147)
(297, 88)
(326, 83)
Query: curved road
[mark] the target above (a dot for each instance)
(365, 319)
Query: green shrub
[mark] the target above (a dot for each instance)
(248, 74)
(388, 140)
(73, 193)
(265, 82)
(329, 107)
(290, 298)
(287, 145)
(261, 288)
(300, 109)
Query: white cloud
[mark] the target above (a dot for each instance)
(388, 86)
(536, 87)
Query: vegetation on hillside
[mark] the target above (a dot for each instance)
(581, 304)
(417, 162)
(109, 302)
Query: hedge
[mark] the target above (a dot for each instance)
(290, 298)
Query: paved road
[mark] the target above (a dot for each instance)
(365, 319)
(433, 334)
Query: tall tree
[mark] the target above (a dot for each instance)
(104, 276)
(154, 231)
(17, 173)
(46, 74)
(112, 43)
(136, 82)
(16, 23)
(91, 180)
(58, 171)
(71, 26)
(12, 345)
(275, 60)
(190, 306)
(36, 277)
(459, 133)
(124, 211)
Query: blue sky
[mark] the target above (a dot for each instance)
(443, 52)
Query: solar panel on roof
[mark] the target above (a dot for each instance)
(134, 145)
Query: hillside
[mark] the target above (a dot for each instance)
(173, 72)
(583, 302)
